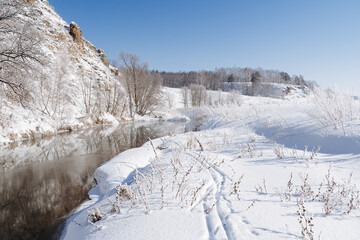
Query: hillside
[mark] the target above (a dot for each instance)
(273, 90)
(63, 91)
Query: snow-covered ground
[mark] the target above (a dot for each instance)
(266, 169)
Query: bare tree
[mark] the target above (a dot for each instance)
(198, 95)
(201, 78)
(234, 98)
(114, 103)
(185, 95)
(19, 51)
(86, 90)
(149, 93)
(142, 86)
(50, 95)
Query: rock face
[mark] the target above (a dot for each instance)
(29, 1)
(103, 57)
(76, 33)
(115, 71)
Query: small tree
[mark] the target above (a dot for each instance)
(231, 78)
(86, 90)
(284, 77)
(185, 95)
(149, 93)
(256, 82)
(201, 78)
(142, 86)
(198, 95)
(114, 97)
(299, 80)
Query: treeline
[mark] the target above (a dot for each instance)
(214, 80)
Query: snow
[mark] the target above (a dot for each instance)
(67, 62)
(255, 165)
(183, 186)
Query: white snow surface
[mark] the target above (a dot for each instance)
(231, 180)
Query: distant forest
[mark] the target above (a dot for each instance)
(213, 79)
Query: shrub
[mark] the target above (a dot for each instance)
(333, 108)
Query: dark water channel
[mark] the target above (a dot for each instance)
(43, 181)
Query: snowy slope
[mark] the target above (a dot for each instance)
(69, 65)
(274, 90)
(231, 180)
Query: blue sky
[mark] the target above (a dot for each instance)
(317, 39)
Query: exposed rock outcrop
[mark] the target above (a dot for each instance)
(29, 1)
(114, 70)
(76, 33)
(103, 57)
(89, 45)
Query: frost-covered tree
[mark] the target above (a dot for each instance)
(142, 86)
(198, 95)
(19, 51)
(50, 93)
(201, 77)
(185, 95)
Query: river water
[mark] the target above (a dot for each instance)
(43, 181)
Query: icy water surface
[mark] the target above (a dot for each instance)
(43, 181)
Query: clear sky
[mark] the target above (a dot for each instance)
(319, 39)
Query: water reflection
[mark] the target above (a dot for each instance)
(41, 182)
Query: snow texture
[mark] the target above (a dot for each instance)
(263, 170)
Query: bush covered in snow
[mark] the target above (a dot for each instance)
(332, 108)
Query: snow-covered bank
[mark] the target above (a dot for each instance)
(230, 181)
(27, 124)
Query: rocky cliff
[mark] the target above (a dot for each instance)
(74, 87)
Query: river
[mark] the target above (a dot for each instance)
(42, 181)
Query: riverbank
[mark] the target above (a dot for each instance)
(49, 178)
(249, 174)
